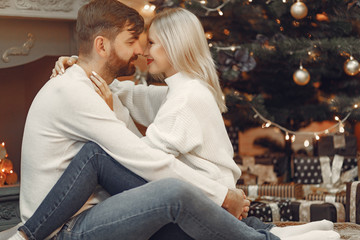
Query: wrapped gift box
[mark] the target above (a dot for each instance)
(313, 170)
(336, 144)
(290, 190)
(331, 198)
(300, 210)
(353, 202)
(267, 168)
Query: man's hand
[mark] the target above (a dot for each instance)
(236, 203)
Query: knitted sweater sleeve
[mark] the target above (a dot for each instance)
(142, 101)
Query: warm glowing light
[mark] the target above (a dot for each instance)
(203, 2)
(287, 137)
(326, 131)
(356, 106)
(306, 143)
(220, 12)
(11, 171)
(210, 44)
(317, 137)
(3, 170)
(232, 48)
(3, 144)
(337, 118)
(147, 7)
(293, 138)
(152, 8)
(284, 1)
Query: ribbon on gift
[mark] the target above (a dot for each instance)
(331, 175)
(304, 210)
(353, 201)
(275, 212)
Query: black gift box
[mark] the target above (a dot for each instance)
(291, 211)
(327, 146)
(307, 170)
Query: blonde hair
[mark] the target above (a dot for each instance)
(182, 36)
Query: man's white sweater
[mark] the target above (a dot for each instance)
(184, 120)
(67, 113)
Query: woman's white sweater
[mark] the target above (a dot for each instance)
(184, 120)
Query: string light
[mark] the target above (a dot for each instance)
(220, 12)
(267, 123)
(218, 8)
(287, 137)
(306, 143)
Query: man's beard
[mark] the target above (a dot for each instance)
(118, 67)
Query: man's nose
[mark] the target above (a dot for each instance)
(146, 51)
(138, 50)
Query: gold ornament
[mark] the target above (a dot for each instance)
(351, 66)
(301, 76)
(298, 10)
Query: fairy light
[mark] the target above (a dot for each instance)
(3, 144)
(220, 12)
(268, 123)
(287, 137)
(210, 44)
(316, 137)
(306, 143)
(146, 7)
(203, 2)
(356, 106)
(152, 8)
(233, 48)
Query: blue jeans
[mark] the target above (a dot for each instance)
(136, 209)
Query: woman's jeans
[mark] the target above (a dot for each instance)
(136, 210)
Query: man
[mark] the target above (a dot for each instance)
(67, 113)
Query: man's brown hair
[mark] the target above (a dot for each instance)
(105, 18)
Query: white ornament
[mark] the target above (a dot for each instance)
(351, 66)
(298, 10)
(301, 76)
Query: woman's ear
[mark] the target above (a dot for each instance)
(102, 46)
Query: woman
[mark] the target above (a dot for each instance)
(178, 126)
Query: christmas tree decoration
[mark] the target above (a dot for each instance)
(6, 165)
(299, 10)
(351, 66)
(301, 76)
(2, 151)
(11, 178)
(2, 179)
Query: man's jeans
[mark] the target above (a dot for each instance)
(136, 210)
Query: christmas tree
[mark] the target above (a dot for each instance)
(294, 62)
(284, 63)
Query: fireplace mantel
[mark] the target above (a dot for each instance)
(32, 29)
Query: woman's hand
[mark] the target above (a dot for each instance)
(102, 89)
(61, 64)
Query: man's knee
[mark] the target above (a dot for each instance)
(91, 147)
